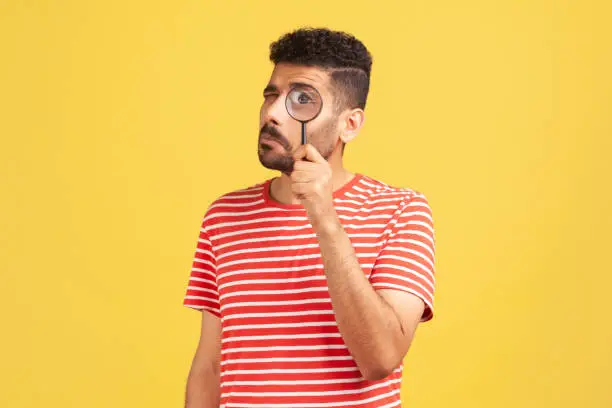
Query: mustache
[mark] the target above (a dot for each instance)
(273, 134)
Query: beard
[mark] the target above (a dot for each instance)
(270, 158)
(283, 161)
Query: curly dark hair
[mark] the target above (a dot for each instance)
(341, 54)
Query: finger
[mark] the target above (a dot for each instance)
(303, 165)
(302, 176)
(301, 189)
(313, 155)
(300, 153)
(308, 152)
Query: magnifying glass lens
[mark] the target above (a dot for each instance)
(303, 103)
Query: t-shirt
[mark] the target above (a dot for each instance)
(258, 267)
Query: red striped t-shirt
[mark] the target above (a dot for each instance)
(258, 267)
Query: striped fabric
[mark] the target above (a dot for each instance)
(258, 267)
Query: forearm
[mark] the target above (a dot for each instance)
(368, 325)
(202, 388)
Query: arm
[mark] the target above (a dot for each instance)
(203, 380)
(377, 327)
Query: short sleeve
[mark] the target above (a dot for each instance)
(406, 261)
(202, 292)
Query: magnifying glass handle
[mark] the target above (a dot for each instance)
(303, 133)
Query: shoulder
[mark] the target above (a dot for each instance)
(382, 192)
(235, 200)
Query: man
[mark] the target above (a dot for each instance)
(312, 283)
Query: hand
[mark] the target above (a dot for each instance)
(311, 182)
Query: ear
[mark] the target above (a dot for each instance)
(353, 121)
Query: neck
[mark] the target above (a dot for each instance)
(280, 188)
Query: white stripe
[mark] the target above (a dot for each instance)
(244, 193)
(285, 359)
(204, 240)
(427, 270)
(282, 337)
(289, 237)
(270, 281)
(205, 252)
(266, 239)
(277, 314)
(214, 292)
(243, 213)
(338, 200)
(270, 270)
(286, 258)
(207, 272)
(410, 251)
(397, 194)
(413, 203)
(205, 262)
(272, 292)
(292, 371)
(193, 297)
(391, 404)
(414, 222)
(290, 248)
(414, 242)
(366, 210)
(405, 289)
(413, 213)
(285, 302)
(238, 197)
(372, 202)
(258, 220)
(305, 226)
(381, 185)
(413, 232)
(278, 325)
(366, 218)
(293, 382)
(315, 393)
(361, 227)
(222, 204)
(271, 259)
(317, 405)
(266, 249)
(280, 270)
(284, 348)
(412, 281)
(265, 229)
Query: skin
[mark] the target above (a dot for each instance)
(377, 326)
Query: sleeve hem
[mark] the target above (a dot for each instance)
(428, 312)
(210, 310)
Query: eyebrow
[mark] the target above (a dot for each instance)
(270, 88)
(274, 88)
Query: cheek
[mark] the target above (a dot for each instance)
(325, 129)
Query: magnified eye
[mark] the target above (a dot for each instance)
(303, 103)
(301, 98)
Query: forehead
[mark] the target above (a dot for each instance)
(284, 75)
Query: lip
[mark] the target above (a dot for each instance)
(272, 143)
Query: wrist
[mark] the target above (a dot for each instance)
(326, 222)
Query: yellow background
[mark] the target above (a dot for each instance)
(122, 120)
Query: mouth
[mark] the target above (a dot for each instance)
(271, 144)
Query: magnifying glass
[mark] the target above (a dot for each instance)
(303, 103)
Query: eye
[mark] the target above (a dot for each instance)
(269, 95)
(301, 97)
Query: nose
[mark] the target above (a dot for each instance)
(275, 112)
